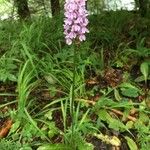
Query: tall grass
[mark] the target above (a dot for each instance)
(26, 83)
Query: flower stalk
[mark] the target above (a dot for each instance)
(75, 28)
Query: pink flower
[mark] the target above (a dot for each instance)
(75, 23)
(69, 41)
(82, 37)
(75, 28)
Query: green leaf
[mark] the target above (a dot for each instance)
(49, 115)
(88, 146)
(129, 124)
(143, 117)
(104, 115)
(50, 79)
(115, 124)
(54, 147)
(130, 92)
(128, 85)
(12, 77)
(117, 95)
(145, 70)
(14, 127)
(104, 101)
(51, 133)
(132, 145)
(53, 130)
(139, 79)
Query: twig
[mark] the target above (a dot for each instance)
(121, 114)
(113, 110)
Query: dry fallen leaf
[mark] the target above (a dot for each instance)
(5, 129)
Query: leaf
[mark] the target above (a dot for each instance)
(14, 127)
(53, 130)
(54, 147)
(143, 117)
(50, 79)
(51, 133)
(130, 92)
(49, 115)
(104, 115)
(88, 146)
(129, 124)
(128, 85)
(132, 145)
(145, 70)
(139, 79)
(104, 101)
(113, 140)
(115, 124)
(4, 131)
(117, 95)
(12, 77)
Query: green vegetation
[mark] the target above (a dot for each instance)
(112, 84)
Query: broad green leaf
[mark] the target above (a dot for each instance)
(104, 101)
(132, 145)
(130, 92)
(128, 85)
(104, 115)
(115, 124)
(145, 70)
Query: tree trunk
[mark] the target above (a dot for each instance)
(55, 7)
(23, 9)
(143, 7)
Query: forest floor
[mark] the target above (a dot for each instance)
(112, 85)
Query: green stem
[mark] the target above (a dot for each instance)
(73, 93)
(73, 88)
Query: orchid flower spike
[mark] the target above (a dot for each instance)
(75, 23)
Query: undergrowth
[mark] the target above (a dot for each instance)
(111, 86)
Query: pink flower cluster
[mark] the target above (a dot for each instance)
(75, 23)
